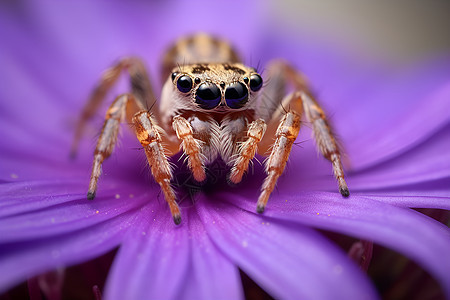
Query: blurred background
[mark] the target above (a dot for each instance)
(401, 31)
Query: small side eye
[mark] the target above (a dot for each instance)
(255, 82)
(208, 95)
(174, 75)
(236, 95)
(184, 84)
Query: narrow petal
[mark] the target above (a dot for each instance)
(25, 197)
(152, 261)
(434, 194)
(159, 260)
(49, 210)
(19, 261)
(421, 238)
(288, 261)
(212, 275)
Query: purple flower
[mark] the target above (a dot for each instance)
(395, 129)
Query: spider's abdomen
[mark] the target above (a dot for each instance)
(199, 48)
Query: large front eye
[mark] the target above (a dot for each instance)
(255, 82)
(184, 84)
(207, 95)
(236, 95)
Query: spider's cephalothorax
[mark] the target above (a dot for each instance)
(211, 106)
(217, 87)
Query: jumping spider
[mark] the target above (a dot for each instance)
(211, 106)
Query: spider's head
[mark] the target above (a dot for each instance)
(220, 87)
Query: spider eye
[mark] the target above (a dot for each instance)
(236, 95)
(255, 82)
(207, 95)
(184, 84)
(174, 75)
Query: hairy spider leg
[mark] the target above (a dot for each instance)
(191, 147)
(285, 136)
(148, 134)
(325, 140)
(323, 132)
(273, 106)
(108, 137)
(140, 85)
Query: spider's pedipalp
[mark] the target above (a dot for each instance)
(247, 150)
(190, 146)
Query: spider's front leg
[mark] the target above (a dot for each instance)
(325, 139)
(108, 137)
(148, 134)
(285, 136)
(299, 102)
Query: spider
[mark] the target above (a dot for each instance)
(211, 106)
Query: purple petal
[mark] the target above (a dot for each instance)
(27, 197)
(426, 162)
(49, 210)
(433, 195)
(288, 261)
(421, 238)
(28, 258)
(161, 261)
(213, 275)
(415, 125)
(45, 224)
